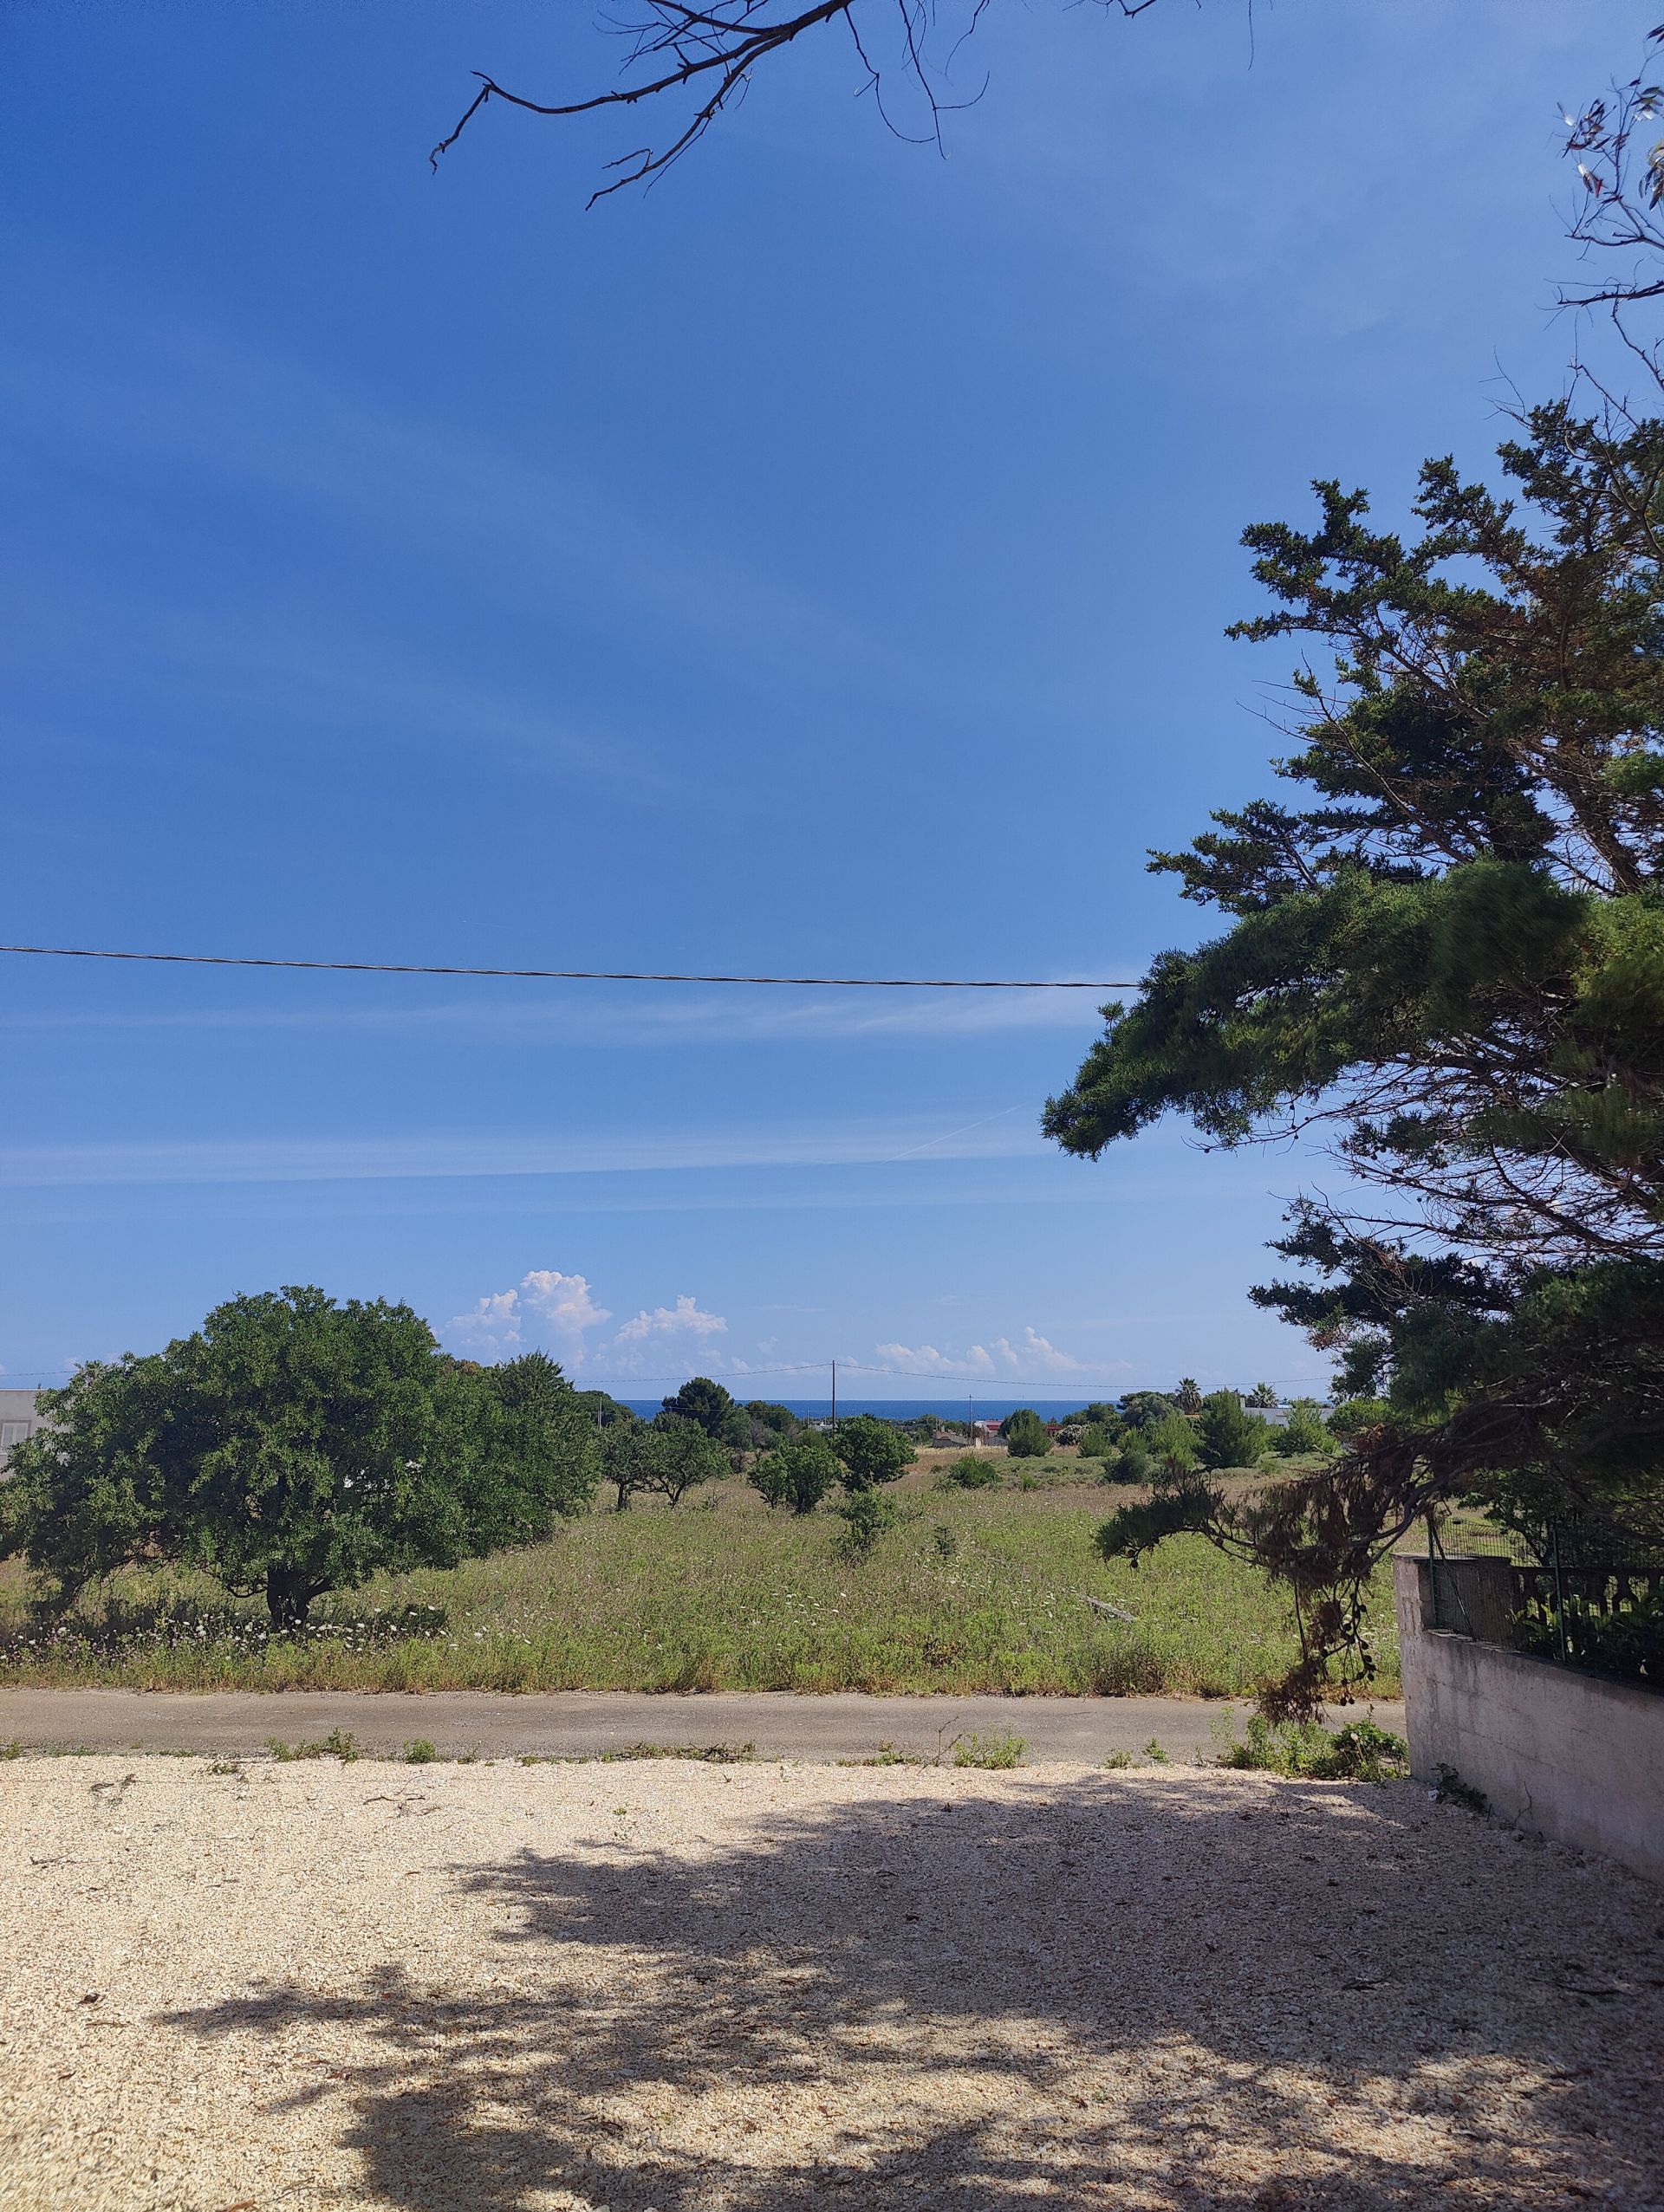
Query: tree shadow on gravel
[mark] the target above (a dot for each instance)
(1150, 1996)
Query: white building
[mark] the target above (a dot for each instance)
(18, 1419)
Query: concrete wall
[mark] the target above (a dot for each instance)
(1561, 1754)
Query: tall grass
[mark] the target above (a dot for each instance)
(721, 1594)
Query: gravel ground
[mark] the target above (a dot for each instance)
(764, 1989)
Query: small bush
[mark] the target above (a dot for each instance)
(943, 1541)
(1153, 1752)
(995, 1753)
(1119, 1759)
(418, 1752)
(866, 1517)
(1134, 1465)
(972, 1470)
(1360, 1752)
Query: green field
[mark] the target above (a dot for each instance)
(974, 1591)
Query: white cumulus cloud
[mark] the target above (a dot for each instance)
(549, 1310)
(1031, 1355)
(546, 1310)
(685, 1318)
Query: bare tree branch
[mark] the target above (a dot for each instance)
(712, 50)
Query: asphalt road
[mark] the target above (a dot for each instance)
(581, 1723)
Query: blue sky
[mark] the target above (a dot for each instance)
(819, 563)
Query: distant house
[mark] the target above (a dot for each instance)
(18, 1419)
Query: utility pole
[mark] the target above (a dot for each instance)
(971, 1417)
(835, 1397)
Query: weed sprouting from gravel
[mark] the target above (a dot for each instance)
(1360, 1752)
(339, 1743)
(996, 1753)
(418, 1752)
(1451, 1789)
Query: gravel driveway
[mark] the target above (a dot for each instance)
(764, 1989)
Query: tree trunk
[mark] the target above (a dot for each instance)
(289, 1596)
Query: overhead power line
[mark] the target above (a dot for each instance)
(567, 975)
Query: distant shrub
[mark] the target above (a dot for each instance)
(418, 1752)
(1096, 1441)
(1024, 1434)
(944, 1542)
(972, 1470)
(867, 1515)
(1352, 1414)
(1172, 1444)
(1305, 1431)
(1134, 1463)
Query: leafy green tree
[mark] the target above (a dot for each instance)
(1261, 1397)
(675, 1454)
(1142, 1409)
(1098, 1440)
(292, 1446)
(797, 1473)
(778, 1420)
(873, 1452)
(1024, 1434)
(714, 1408)
(1449, 952)
(621, 1458)
(601, 1410)
(1227, 1435)
(1188, 1396)
(1099, 1414)
(1304, 1432)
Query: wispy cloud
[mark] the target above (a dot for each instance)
(333, 1159)
(591, 1015)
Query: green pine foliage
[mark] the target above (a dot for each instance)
(1447, 949)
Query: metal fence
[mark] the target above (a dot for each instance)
(1582, 1593)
